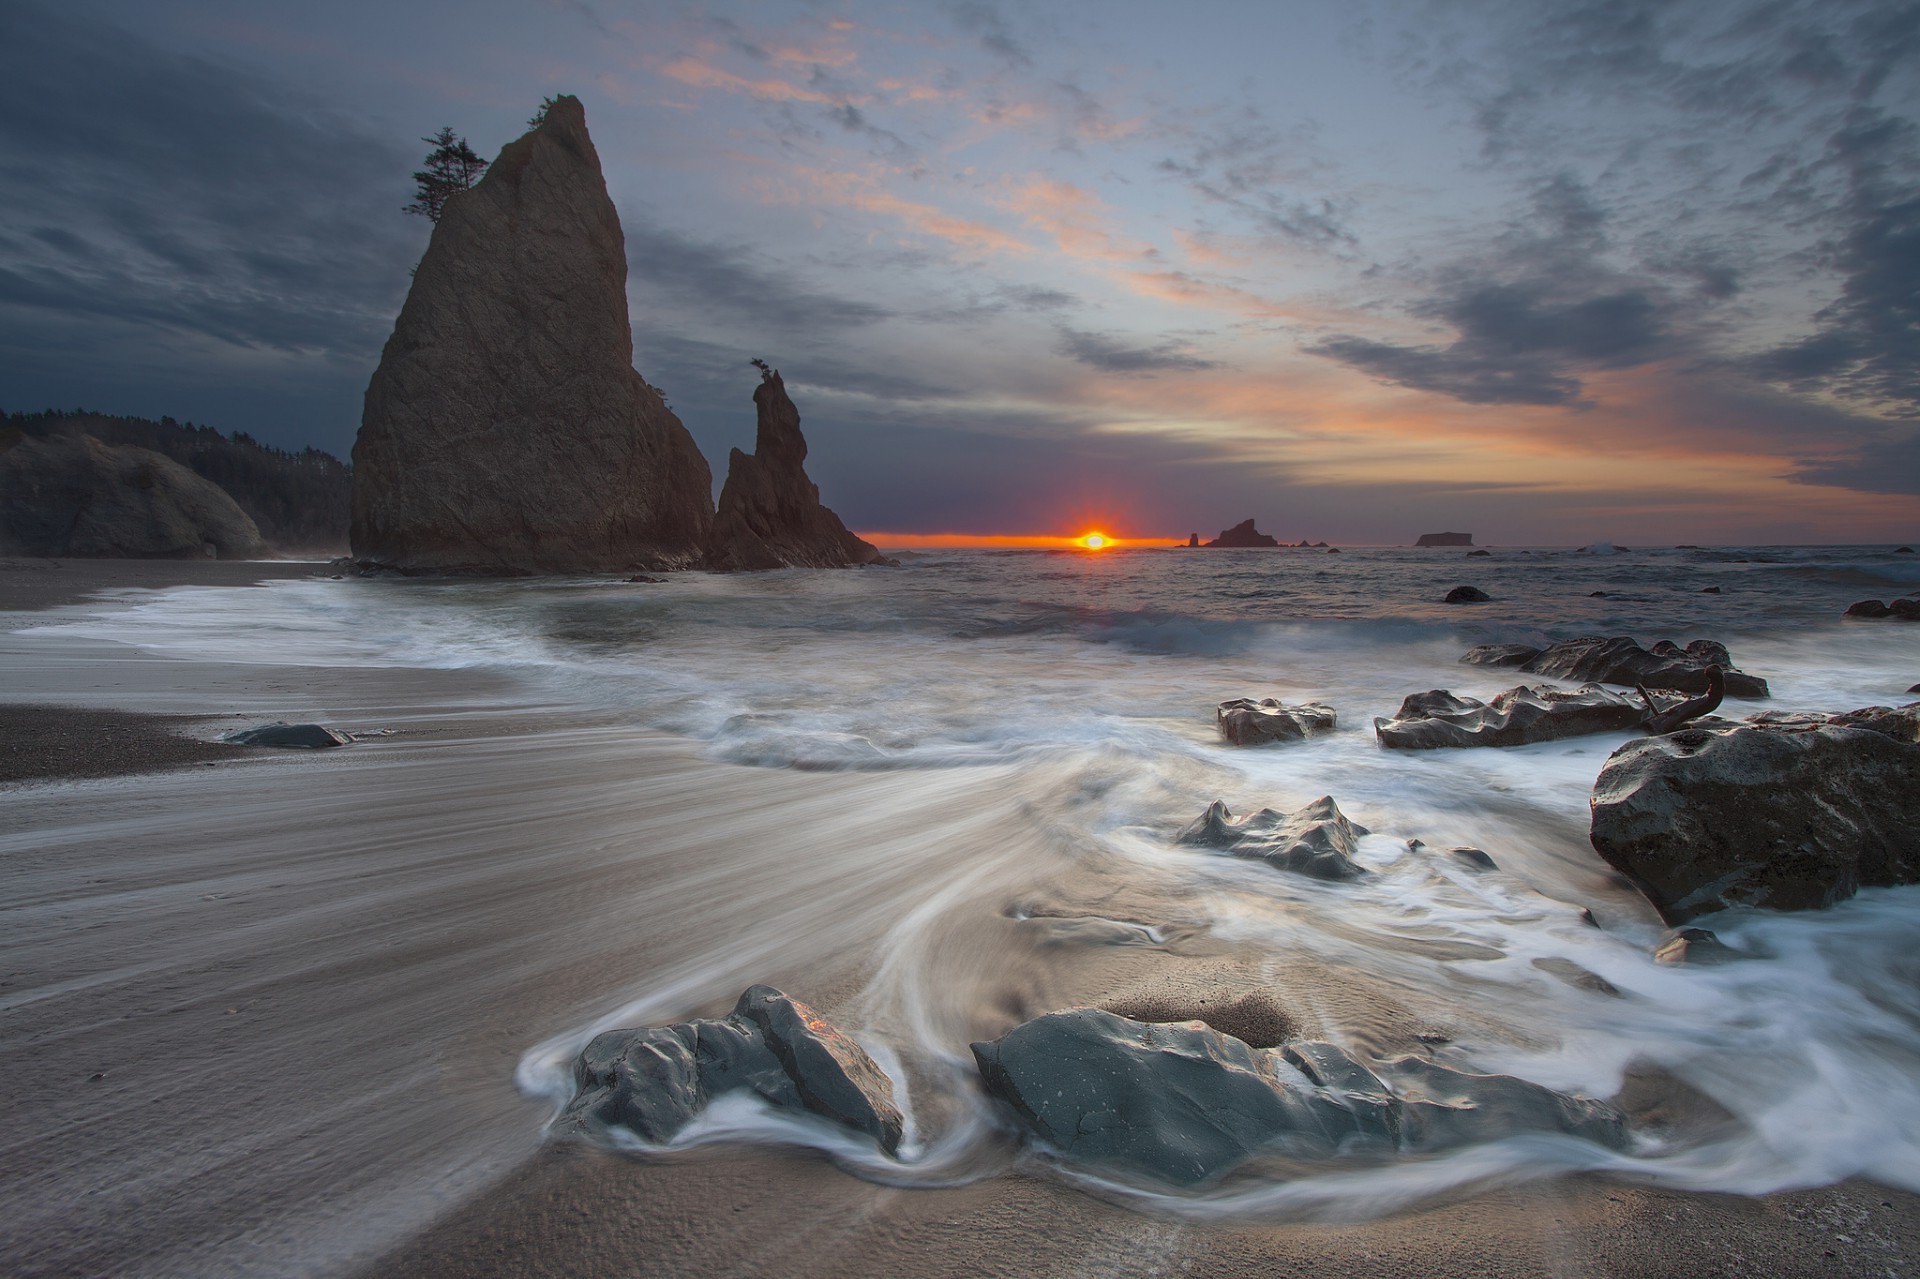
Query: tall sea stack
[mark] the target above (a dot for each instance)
(770, 513)
(506, 431)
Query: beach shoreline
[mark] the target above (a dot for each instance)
(305, 981)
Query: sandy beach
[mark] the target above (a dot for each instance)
(264, 1016)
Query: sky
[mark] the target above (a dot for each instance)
(1634, 271)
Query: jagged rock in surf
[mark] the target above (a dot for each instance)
(506, 431)
(289, 737)
(654, 1082)
(1786, 811)
(1517, 717)
(1318, 841)
(1622, 661)
(1245, 722)
(1182, 1104)
(770, 514)
(1243, 534)
(1445, 539)
(71, 495)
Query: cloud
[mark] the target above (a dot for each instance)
(1264, 175)
(724, 283)
(985, 21)
(1111, 355)
(861, 192)
(1889, 463)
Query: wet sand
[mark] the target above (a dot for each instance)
(263, 1018)
(28, 584)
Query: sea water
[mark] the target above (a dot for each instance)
(1085, 684)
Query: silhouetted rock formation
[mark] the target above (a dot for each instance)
(654, 1082)
(1242, 534)
(300, 502)
(72, 495)
(505, 430)
(1516, 717)
(770, 514)
(1622, 661)
(1467, 595)
(1245, 722)
(1787, 811)
(1445, 539)
(1182, 1103)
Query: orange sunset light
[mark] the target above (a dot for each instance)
(1090, 541)
(1096, 541)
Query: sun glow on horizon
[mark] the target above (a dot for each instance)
(1096, 541)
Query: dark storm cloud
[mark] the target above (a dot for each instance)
(1883, 464)
(722, 283)
(183, 204)
(1111, 355)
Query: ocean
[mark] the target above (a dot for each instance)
(1059, 705)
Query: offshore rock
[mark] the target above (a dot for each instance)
(1243, 534)
(1467, 595)
(1245, 722)
(1786, 811)
(1904, 610)
(1516, 717)
(71, 495)
(1318, 841)
(654, 1082)
(289, 737)
(1445, 539)
(1622, 661)
(505, 431)
(1182, 1104)
(770, 513)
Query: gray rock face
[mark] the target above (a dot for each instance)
(770, 513)
(1622, 661)
(1788, 812)
(505, 431)
(1318, 841)
(1516, 717)
(289, 737)
(1445, 539)
(1182, 1104)
(1245, 722)
(653, 1082)
(71, 495)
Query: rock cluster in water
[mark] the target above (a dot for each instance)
(1621, 660)
(652, 1083)
(1182, 1104)
(1246, 722)
(1785, 811)
(1903, 610)
(71, 495)
(1243, 534)
(1517, 717)
(1317, 841)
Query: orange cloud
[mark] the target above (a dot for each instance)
(1077, 219)
(859, 191)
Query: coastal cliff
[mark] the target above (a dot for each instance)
(505, 430)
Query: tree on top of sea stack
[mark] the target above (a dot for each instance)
(452, 167)
(506, 431)
(770, 514)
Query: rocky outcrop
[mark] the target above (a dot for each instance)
(290, 737)
(505, 430)
(1182, 1104)
(1318, 841)
(1904, 610)
(1622, 661)
(1467, 595)
(71, 495)
(1517, 717)
(1785, 811)
(1243, 534)
(1445, 539)
(770, 514)
(652, 1083)
(1245, 722)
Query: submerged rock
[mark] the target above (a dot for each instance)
(1445, 539)
(770, 513)
(1516, 717)
(1622, 661)
(1182, 1104)
(505, 430)
(1467, 595)
(1479, 554)
(1318, 841)
(71, 495)
(1245, 722)
(1786, 811)
(653, 1082)
(289, 737)
(1243, 534)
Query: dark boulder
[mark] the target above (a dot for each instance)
(1476, 554)
(1467, 595)
(1622, 661)
(1905, 610)
(1318, 841)
(1243, 534)
(653, 1082)
(1182, 1104)
(1516, 717)
(1710, 590)
(289, 736)
(1445, 539)
(1245, 722)
(1786, 811)
(1867, 608)
(1903, 550)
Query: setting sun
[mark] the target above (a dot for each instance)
(1096, 541)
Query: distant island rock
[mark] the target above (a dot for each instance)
(1242, 534)
(505, 430)
(71, 495)
(1445, 539)
(770, 514)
